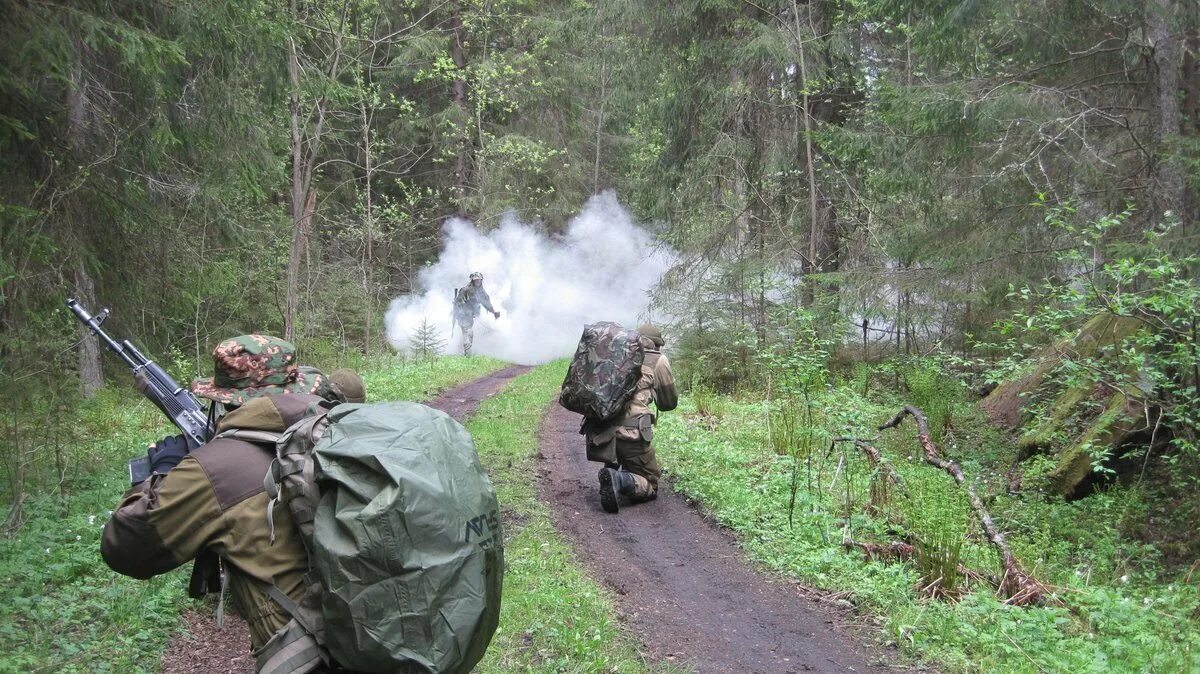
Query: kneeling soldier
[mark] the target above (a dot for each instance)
(625, 447)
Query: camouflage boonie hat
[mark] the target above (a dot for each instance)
(249, 366)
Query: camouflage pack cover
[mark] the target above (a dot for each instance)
(604, 372)
(402, 525)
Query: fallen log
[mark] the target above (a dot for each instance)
(1016, 585)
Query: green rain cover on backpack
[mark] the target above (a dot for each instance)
(604, 372)
(406, 541)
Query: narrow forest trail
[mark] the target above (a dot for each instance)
(679, 580)
(203, 647)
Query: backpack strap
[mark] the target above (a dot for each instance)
(292, 650)
(258, 437)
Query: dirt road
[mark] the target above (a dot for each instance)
(202, 647)
(681, 583)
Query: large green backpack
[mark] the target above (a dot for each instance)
(604, 373)
(403, 532)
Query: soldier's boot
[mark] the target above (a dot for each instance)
(614, 483)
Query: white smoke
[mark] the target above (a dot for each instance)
(546, 288)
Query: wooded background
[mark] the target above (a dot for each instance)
(213, 167)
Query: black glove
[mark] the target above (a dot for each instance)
(167, 453)
(497, 313)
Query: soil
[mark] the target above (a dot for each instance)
(680, 581)
(462, 402)
(203, 647)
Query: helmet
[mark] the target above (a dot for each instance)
(476, 276)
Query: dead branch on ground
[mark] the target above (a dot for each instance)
(901, 551)
(875, 458)
(1016, 585)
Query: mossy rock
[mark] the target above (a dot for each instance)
(1077, 418)
(1109, 431)
(1006, 404)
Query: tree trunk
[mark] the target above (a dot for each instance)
(1167, 175)
(1190, 124)
(458, 55)
(90, 374)
(811, 264)
(368, 229)
(603, 96)
(298, 200)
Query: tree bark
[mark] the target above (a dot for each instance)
(1167, 175)
(298, 201)
(90, 374)
(812, 263)
(368, 226)
(458, 55)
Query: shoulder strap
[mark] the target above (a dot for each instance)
(260, 437)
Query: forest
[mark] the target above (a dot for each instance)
(932, 300)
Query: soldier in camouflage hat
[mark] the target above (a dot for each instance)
(348, 385)
(209, 504)
(249, 366)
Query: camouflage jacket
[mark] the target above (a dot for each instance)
(467, 301)
(656, 385)
(213, 502)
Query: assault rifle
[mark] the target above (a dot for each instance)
(178, 403)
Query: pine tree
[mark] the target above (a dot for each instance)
(427, 341)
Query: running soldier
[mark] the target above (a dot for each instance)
(467, 301)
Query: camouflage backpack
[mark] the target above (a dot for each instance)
(402, 527)
(604, 374)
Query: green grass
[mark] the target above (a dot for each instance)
(1122, 610)
(554, 617)
(62, 609)
(396, 378)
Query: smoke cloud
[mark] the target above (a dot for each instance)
(546, 288)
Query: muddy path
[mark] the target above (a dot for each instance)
(203, 647)
(461, 402)
(681, 583)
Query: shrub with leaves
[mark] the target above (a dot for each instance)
(1148, 278)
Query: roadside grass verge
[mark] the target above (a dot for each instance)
(554, 618)
(63, 610)
(1121, 610)
(396, 378)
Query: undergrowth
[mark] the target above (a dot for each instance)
(1120, 608)
(63, 610)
